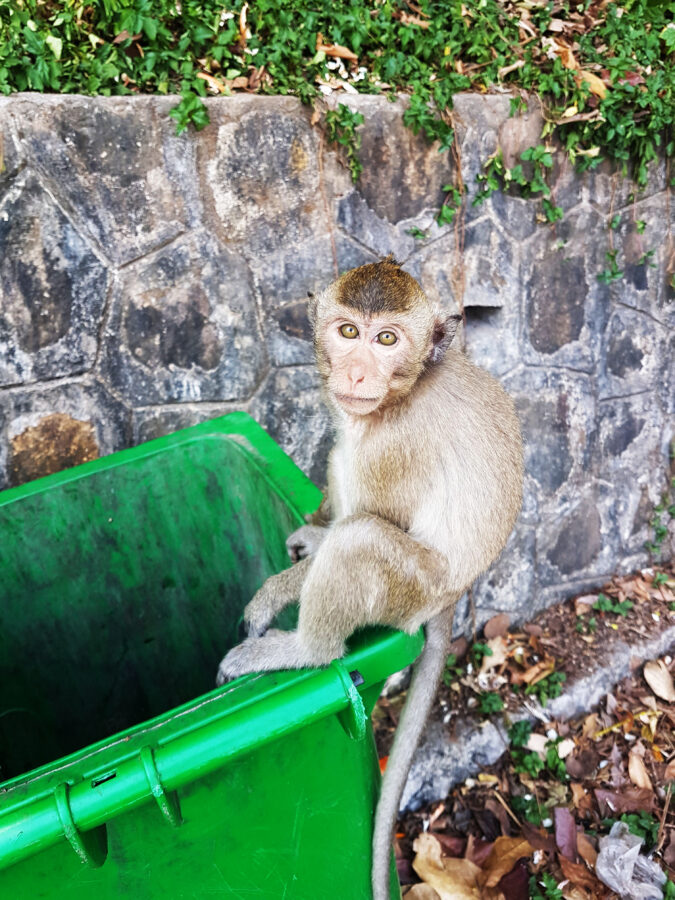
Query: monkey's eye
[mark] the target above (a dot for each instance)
(387, 338)
(349, 331)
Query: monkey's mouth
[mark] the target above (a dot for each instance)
(348, 398)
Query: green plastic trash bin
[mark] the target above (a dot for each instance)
(124, 774)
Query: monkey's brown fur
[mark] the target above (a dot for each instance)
(425, 485)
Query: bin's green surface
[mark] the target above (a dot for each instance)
(121, 586)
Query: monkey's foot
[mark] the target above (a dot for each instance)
(276, 650)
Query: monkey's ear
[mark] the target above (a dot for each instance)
(311, 308)
(443, 334)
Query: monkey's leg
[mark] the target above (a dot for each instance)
(366, 571)
(275, 594)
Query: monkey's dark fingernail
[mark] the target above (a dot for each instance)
(357, 678)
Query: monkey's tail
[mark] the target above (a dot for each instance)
(426, 676)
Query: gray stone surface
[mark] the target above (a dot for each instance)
(53, 289)
(149, 281)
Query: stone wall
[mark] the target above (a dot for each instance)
(148, 282)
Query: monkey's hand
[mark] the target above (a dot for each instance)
(275, 594)
(305, 541)
(276, 650)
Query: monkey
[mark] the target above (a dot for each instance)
(424, 487)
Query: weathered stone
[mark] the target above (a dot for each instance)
(483, 127)
(263, 175)
(491, 267)
(403, 173)
(155, 422)
(50, 429)
(509, 584)
(10, 159)
(634, 354)
(57, 442)
(610, 191)
(104, 160)
(289, 407)
(382, 237)
(557, 411)
(440, 271)
(565, 304)
(52, 289)
(491, 337)
(286, 281)
(632, 452)
(183, 327)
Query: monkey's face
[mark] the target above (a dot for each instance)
(371, 361)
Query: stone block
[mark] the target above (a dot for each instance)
(54, 428)
(632, 455)
(509, 585)
(633, 355)
(439, 268)
(104, 160)
(149, 423)
(493, 338)
(565, 304)
(289, 407)
(183, 327)
(403, 173)
(557, 411)
(286, 280)
(52, 289)
(577, 536)
(610, 191)
(10, 157)
(263, 175)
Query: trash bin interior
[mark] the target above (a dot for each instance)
(121, 590)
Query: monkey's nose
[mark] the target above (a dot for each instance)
(355, 378)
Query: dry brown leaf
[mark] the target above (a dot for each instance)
(590, 725)
(499, 656)
(505, 854)
(660, 680)
(578, 793)
(596, 85)
(669, 774)
(586, 850)
(584, 604)
(216, 86)
(637, 771)
(452, 879)
(579, 875)
(421, 892)
(497, 626)
(538, 671)
(337, 50)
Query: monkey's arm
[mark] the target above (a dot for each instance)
(367, 571)
(275, 594)
(305, 541)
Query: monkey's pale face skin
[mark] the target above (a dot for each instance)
(366, 356)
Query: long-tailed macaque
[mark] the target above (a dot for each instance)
(424, 487)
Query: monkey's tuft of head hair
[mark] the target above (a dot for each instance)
(377, 288)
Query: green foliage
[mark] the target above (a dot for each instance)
(341, 125)
(605, 604)
(548, 688)
(519, 733)
(549, 885)
(452, 671)
(612, 272)
(584, 626)
(490, 703)
(662, 512)
(660, 578)
(642, 824)
(527, 762)
(528, 808)
(478, 651)
(669, 890)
